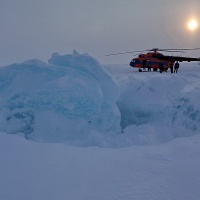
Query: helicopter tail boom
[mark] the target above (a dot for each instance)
(174, 58)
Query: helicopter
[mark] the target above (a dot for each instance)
(152, 59)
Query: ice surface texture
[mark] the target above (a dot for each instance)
(73, 99)
(61, 101)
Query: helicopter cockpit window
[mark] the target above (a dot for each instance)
(137, 61)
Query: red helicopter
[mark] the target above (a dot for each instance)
(153, 59)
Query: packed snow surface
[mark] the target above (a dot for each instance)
(33, 171)
(133, 124)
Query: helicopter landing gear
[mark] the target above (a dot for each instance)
(140, 70)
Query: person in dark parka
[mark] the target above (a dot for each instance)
(176, 67)
(161, 67)
(172, 67)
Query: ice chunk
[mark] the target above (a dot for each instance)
(59, 101)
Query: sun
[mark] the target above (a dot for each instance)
(192, 24)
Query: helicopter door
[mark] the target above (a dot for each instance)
(144, 64)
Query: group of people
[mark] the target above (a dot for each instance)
(173, 67)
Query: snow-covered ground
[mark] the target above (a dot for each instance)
(98, 132)
(55, 171)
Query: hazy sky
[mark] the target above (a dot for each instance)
(37, 28)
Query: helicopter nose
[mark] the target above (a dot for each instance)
(132, 64)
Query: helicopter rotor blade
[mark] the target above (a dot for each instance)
(114, 54)
(172, 51)
(183, 49)
(166, 50)
(155, 50)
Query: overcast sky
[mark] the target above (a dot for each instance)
(37, 28)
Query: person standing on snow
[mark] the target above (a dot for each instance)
(172, 67)
(176, 67)
(148, 65)
(161, 67)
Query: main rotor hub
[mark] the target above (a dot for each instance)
(155, 50)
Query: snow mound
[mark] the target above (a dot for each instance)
(64, 100)
(160, 107)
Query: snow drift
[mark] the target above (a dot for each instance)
(56, 102)
(158, 107)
